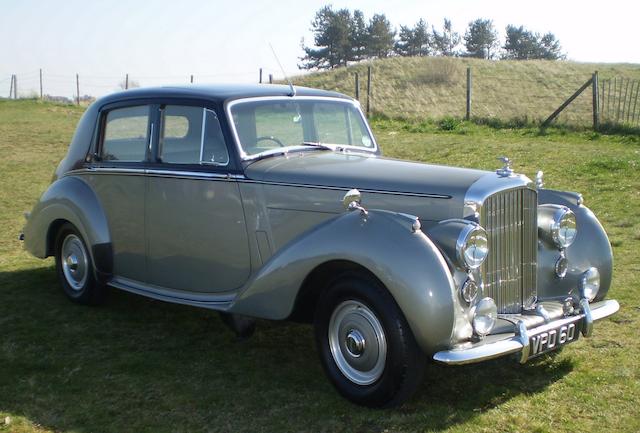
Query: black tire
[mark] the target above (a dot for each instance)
(79, 284)
(404, 361)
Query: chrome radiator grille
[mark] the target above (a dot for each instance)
(509, 272)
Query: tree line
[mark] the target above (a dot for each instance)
(341, 36)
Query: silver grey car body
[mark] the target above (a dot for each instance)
(263, 236)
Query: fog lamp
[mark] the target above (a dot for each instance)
(485, 314)
(589, 284)
(469, 291)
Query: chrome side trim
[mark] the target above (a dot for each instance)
(236, 137)
(495, 346)
(238, 177)
(155, 172)
(210, 301)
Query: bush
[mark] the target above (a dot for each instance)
(449, 124)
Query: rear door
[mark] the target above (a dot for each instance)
(117, 177)
(195, 228)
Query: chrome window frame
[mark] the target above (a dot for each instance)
(246, 157)
(202, 138)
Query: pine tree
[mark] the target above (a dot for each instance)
(445, 43)
(332, 35)
(480, 39)
(380, 36)
(522, 44)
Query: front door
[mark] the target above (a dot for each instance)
(195, 227)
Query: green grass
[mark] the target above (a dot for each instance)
(144, 366)
(434, 87)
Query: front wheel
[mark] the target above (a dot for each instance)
(75, 268)
(365, 344)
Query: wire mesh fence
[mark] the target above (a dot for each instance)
(411, 88)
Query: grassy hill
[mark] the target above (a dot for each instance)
(434, 87)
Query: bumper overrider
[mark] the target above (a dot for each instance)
(530, 341)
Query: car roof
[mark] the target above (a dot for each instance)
(217, 92)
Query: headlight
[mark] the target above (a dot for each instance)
(563, 227)
(472, 246)
(485, 314)
(589, 284)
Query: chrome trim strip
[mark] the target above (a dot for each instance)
(214, 302)
(340, 188)
(514, 343)
(236, 137)
(187, 174)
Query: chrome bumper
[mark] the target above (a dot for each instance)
(494, 346)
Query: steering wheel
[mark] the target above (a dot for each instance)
(270, 138)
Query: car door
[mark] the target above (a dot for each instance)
(195, 227)
(117, 177)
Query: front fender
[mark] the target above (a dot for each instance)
(70, 199)
(406, 262)
(590, 248)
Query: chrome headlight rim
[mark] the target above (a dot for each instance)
(562, 215)
(470, 231)
(589, 284)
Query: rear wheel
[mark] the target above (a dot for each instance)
(365, 344)
(75, 268)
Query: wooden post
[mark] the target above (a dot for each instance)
(468, 112)
(126, 82)
(15, 86)
(635, 102)
(566, 103)
(191, 78)
(270, 78)
(602, 84)
(624, 100)
(609, 99)
(357, 87)
(260, 79)
(11, 87)
(41, 84)
(77, 89)
(596, 102)
(368, 90)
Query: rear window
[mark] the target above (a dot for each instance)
(126, 134)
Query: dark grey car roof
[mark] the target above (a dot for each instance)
(216, 92)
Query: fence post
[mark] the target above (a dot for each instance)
(191, 78)
(635, 102)
(41, 84)
(357, 87)
(15, 86)
(270, 78)
(126, 82)
(260, 79)
(11, 87)
(468, 113)
(77, 89)
(596, 102)
(368, 90)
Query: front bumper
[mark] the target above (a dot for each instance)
(494, 346)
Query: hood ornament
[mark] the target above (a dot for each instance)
(539, 179)
(506, 169)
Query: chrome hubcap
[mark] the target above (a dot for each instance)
(75, 262)
(357, 342)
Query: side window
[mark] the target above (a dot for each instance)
(191, 135)
(126, 134)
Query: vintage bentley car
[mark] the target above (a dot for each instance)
(274, 202)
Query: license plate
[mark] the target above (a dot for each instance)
(553, 339)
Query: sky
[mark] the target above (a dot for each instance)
(166, 41)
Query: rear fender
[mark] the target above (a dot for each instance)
(70, 199)
(406, 261)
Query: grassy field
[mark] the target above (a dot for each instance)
(433, 87)
(137, 365)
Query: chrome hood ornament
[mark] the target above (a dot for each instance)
(506, 169)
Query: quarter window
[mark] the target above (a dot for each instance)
(191, 135)
(126, 134)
